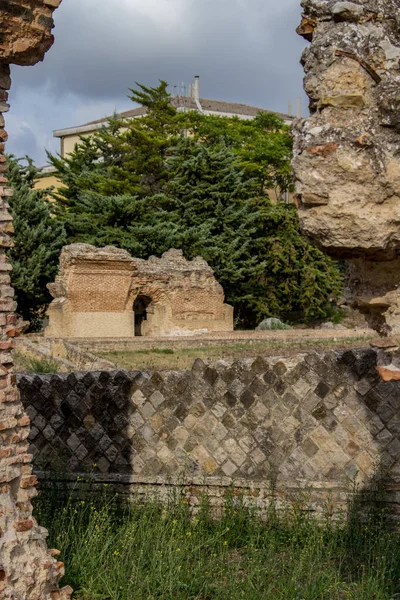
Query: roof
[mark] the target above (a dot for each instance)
(180, 102)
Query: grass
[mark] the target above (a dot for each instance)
(180, 359)
(150, 551)
(157, 351)
(30, 364)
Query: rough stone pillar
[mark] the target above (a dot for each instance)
(28, 571)
(347, 154)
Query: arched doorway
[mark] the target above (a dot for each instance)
(140, 307)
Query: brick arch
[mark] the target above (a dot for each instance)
(155, 291)
(158, 311)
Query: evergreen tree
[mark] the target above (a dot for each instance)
(125, 157)
(38, 240)
(262, 145)
(264, 263)
(144, 186)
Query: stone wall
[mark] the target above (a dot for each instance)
(28, 571)
(26, 30)
(292, 337)
(346, 159)
(312, 421)
(104, 292)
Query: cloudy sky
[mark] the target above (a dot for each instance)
(244, 51)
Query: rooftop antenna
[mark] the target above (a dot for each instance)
(299, 108)
(187, 92)
(196, 93)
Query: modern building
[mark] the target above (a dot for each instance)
(188, 100)
(70, 136)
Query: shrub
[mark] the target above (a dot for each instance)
(31, 364)
(272, 325)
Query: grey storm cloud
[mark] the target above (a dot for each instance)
(243, 50)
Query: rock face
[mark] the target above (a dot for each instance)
(26, 27)
(105, 293)
(28, 571)
(347, 154)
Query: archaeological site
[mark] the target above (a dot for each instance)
(105, 293)
(313, 421)
(266, 426)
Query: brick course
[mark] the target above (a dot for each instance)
(27, 569)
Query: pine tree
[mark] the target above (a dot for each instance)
(38, 240)
(263, 261)
(124, 157)
(143, 186)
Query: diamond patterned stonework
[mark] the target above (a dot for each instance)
(309, 421)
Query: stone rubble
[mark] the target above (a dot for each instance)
(346, 160)
(389, 373)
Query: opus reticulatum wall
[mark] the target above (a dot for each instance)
(314, 422)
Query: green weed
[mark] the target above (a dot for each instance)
(150, 551)
(30, 364)
(156, 351)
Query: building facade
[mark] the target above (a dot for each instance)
(70, 136)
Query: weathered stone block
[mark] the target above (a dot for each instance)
(346, 153)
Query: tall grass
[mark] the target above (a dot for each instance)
(150, 551)
(32, 364)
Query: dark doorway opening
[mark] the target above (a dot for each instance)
(140, 308)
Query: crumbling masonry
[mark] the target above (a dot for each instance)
(347, 154)
(105, 293)
(28, 571)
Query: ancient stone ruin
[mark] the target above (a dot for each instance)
(268, 426)
(105, 293)
(27, 569)
(347, 154)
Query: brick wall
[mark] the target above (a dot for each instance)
(101, 287)
(96, 289)
(28, 571)
(313, 421)
(26, 30)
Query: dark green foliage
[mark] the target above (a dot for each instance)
(124, 157)
(290, 275)
(147, 186)
(264, 263)
(37, 243)
(263, 147)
